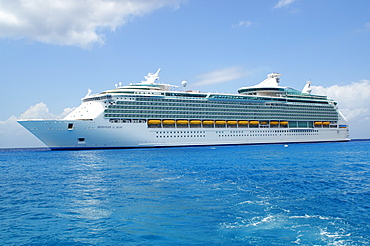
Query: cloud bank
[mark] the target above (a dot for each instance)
(41, 111)
(353, 101)
(71, 22)
(13, 135)
(353, 97)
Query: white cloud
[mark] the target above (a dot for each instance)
(41, 111)
(367, 26)
(243, 24)
(364, 28)
(283, 3)
(220, 76)
(353, 96)
(13, 135)
(353, 100)
(71, 22)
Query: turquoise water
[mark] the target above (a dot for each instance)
(303, 194)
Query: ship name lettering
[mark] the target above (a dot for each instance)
(104, 127)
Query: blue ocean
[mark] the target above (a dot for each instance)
(301, 194)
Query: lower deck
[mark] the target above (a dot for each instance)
(64, 134)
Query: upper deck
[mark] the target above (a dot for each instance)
(267, 90)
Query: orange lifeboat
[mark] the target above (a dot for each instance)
(243, 122)
(208, 122)
(220, 122)
(195, 122)
(182, 122)
(232, 122)
(154, 122)
(168, 122)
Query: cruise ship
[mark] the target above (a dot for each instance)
(151, 114)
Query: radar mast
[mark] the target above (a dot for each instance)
(151, 77)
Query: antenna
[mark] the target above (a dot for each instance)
(88, 93)
(152, 77)
(184, 83)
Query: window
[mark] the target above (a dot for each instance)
(70, 126)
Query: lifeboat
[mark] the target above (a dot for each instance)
(243, 122)
(317, 123)
(232, 122)
(208, 122)
(195, 122)
(168, 122)
(284, 123)
(263, 122)
(326, 123)
(154, 122)
(220, 122)
(253, 122)
(274, 123)
(182, 122)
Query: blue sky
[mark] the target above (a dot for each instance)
(51, 53)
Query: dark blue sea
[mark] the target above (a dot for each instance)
(302, 194)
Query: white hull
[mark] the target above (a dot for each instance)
(103, 134)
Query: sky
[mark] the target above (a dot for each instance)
(53, 51)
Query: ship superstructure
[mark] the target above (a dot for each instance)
(150, 114)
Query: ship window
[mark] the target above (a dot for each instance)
(70, 126)
(81, 139)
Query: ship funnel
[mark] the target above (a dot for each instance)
(307, 88)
